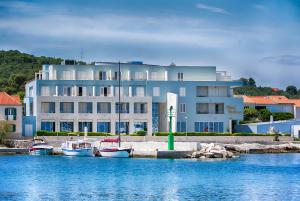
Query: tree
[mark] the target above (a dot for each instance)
(4, 128)
(251, 82)
(250, 114)
(264, 114)
(244, 81)
(292, 90)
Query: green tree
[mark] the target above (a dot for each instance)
(4, 128)
(251, 82)
(292, 90)
(250, 114)
(244, 81)
(264, 114)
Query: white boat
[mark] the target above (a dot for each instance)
(77, 148)
(40, 147)
(113, 151)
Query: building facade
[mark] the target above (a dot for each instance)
(71, 97)
(11, 112)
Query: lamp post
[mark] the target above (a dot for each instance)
(170, 136)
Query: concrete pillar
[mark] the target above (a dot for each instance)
(230, 126)
(75, 90)
(130, 91)
(110, 75)
(129, 78)
(94, 91)
(111, 91)
(56, 90)
(147, 75)
(74, 75)
(166, 75)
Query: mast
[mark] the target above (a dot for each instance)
(119, 126)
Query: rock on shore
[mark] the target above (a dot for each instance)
(212, 150)
(261, 148)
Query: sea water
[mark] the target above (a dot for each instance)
(250, 177)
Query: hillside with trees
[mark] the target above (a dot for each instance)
(17, 68)
(251, 89)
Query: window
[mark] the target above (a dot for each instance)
(122, 127)
(66, 126)
(140, 91)
(103, 127)
(30, 92)
(65, 75)
(81, 91)
(84, 75)
(48, 126)
(217, 127)
(201, 91)
(139, 76)
(154, 76)
(45, 91)
(48, 107)
(116, 77)
(202, 108)
(66, 107)
(11, 128)
(104, 107)
(219, 108)
(30, 109)
(181, 126)
(85, 107)
(10, 113)
(102, 75)
(122, 107)
(140, 107)
(67, 91)
(156, 91)
(140, 126)
(104, 91)
(180, 76)
(182, 107)
(88, 125)
(181, 91)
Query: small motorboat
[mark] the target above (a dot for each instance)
(113, 151)
(40, 147)
(77, 148)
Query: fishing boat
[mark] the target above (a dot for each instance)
(40, 147)
(116, 151)
(77, 148)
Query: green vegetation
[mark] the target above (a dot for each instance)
(251, 89)
(48, 133)
(17, 68)
(252, 115)
(210, 134)
(4, 128)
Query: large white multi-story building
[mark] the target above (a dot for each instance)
(71, 97)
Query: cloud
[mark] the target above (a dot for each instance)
(289, 60)
(212, 9)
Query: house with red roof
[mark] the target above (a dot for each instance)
(11, 111)
(274, 104)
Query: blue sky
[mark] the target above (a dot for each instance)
(249, 38)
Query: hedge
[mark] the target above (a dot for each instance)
(49, 133)
(212, 134)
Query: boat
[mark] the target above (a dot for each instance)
(77, 148)
(40, 147)
(116, 151)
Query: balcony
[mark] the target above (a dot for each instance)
(223, 76)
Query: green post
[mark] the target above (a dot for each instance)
(170, 136)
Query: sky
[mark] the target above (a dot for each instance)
(247, 38)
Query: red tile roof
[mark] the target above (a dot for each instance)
(6, 99)
(270, 100)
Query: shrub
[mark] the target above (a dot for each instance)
(282, 116)
(141, 133)
(49, 133)
(192, 134)
(4, 128)
(250, 114)
(264, 114)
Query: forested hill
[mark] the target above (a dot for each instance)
(17, 68)
(251, 89)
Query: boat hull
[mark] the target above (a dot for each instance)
(39, 152)
(78, 152)
(125, 153)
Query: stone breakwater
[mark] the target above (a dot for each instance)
(212, 150)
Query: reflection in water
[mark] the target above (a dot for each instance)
(251, 177)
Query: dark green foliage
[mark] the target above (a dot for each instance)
(141, 133)
(211, 134)
(17, 68)
(48, 133)
(250, 114)
(292, 90)
(264, 115)
(282, 116)
(251, 82)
